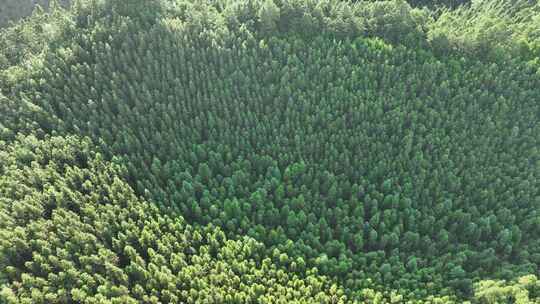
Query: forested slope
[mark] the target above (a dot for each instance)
(14, 10)
(308, 151)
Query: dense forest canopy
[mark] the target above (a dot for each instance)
(12, 10)
(271, 151)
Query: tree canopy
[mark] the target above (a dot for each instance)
(291, 151)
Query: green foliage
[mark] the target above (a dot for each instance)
(269, 151)
(13, 10)
(395, 21)
(23, 45)
(526, 290)
(440, 3)
(72, 231)
(24, 117)
(490, 28)
(269, 16)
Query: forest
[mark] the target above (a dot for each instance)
(270, 151)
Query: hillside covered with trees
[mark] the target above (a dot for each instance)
(271, 151)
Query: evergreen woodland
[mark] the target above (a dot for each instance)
(271, 151)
